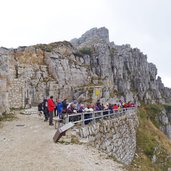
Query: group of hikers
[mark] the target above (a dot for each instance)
(59, 108)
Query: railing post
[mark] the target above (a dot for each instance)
(82, 119)
(109, 114)
(101, 114)
(117, 112)
(123, 111)
(67, 119)
(93, 117)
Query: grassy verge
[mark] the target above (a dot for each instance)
(7, 117)
(153, 146)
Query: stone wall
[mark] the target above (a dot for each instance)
(3, 97)
(16, 94)
(116, 137)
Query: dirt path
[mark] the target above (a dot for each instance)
(26, 144)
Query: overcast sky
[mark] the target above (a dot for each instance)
(145, 24)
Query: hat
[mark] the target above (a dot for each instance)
(75, 102)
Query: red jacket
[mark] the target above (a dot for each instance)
(115, 107)
(51, 105)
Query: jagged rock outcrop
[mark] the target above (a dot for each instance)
(101, 33)
(165, 121)
(88, 68)
(123, 69)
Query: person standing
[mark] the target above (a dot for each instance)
(51, 107)
(45, 109)
(59, 108)
(64, 105)
(55, 110)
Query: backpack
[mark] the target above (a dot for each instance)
(40, 107)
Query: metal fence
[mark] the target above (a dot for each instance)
(87, 117)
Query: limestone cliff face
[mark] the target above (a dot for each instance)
(29, 74)
(87, 68)
(122, 69)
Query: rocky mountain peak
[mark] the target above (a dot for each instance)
(94, 33)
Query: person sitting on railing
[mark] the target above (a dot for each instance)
(64, 105)
(125, 105)
(71, 108)
(121, 103)
(98, 106)
(77, 105)
(119, 107)
(106, 107)
(81, 108)
(89, 108)
(111, 108)
(115, 107)
(129, 104)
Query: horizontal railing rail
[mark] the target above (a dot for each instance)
(87, 117)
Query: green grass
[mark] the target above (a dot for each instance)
(86, 51)
(7, 117)
(151, 141)
(51, 46)
(152, 112)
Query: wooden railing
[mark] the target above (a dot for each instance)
(87, 117)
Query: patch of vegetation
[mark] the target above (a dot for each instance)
(113, 52)
(153, 112)
(90, 92)
(51, 46)
(7, 117)
(74, 140)
(98, 79)
(113, 158)
(44, 47)
(88, 101)
(151, 143)
(116, 93)
(86, 51)
(77, 53)
(63, 142)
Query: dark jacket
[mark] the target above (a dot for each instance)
(64, 105)
(45, 105)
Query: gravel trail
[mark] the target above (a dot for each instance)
(26, 144)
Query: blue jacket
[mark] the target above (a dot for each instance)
(59, 107)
